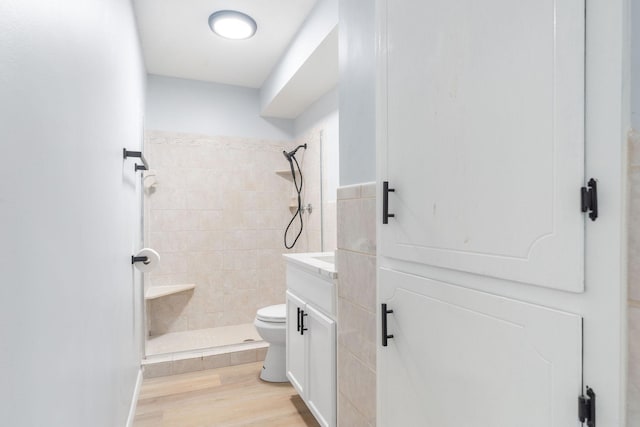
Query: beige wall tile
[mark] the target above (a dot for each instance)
(357, 332)
(186, 365)
(240, 259)
(168, 241)
(356, 264)
(216, 361)
(167, 314)
(633, 389)
(173, 262)
(241, 357)
(261, 353)
(330, 226)
(368, 190)
(206, 199)
(356, 225)
(202, 320)
(267, 258)
(168, 198)
(349, 192)
(161, 369)
(348, 415)
(357, 278)
(204, 240)
(205, 262)
(210, 219)
(633, 384)
(634, 234)
(634, 148)
(359, 385)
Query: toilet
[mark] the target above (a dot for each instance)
(271, 324)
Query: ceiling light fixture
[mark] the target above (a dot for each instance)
(232, 24)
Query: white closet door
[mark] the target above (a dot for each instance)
(462, 358)
(484, 139)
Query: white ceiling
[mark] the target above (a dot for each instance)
(177, 41)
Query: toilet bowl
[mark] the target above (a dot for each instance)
(270, 322)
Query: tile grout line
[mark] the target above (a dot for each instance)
(355, 407)
(365, 364)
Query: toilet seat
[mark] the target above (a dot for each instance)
(273, 313)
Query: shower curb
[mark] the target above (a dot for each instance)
(200, 360)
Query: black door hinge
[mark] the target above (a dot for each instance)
(587, 408)
(589, 199)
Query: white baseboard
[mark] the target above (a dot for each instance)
(134, 399)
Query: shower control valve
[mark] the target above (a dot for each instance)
(307, 208)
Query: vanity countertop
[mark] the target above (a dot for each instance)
(322, 263)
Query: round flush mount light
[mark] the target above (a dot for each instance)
(232, 24)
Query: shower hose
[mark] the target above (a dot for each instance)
(298, 213)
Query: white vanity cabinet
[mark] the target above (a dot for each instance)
(311, 335)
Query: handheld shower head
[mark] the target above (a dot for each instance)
(293, 152)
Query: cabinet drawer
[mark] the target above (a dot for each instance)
(313, 290)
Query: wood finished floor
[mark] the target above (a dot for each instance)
(224, 397)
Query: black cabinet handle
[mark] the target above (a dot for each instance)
(589, 199)
(385, 202)
(385, 336)
(298, 318)
(302, 328)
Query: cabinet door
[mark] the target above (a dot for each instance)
(460, 357)
(296, 369)
(483, 103)
(321, 359)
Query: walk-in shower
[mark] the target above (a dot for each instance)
(216, 213)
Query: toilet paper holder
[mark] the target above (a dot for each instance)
(145, 260)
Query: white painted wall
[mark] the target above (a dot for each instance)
(180, 105)
(324, 114)
(71, 97)
(633, 386)
(635, 64)
(320, 22)
(357, 92)
(317, 76)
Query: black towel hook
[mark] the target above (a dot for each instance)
(143, 167)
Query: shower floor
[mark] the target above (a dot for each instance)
(241, 336)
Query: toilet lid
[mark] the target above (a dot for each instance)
(273, 313)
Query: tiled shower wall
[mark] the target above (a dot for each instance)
(216, 215)
(633, 397)
(356, 263)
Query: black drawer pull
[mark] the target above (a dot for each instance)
(385, 336)
(385, 202)
(298, 318)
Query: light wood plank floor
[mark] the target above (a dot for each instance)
(224, 397)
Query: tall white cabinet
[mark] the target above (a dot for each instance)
(481, 274)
